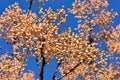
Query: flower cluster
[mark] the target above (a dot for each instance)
(27, 32)
(76, 54)
(11, 68)
(114, 38)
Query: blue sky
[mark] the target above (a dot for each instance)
(71, 22)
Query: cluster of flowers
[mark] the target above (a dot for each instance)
(76, 53)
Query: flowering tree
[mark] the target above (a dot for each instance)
(78, 56)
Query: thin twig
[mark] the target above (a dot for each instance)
(38, 65)
(30, 6)
(71, 70)
(54, 75)
(23, 61)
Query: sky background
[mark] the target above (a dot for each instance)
(71, 22)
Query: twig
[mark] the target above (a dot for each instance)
(71, 70)
(30, 6)
(54, 75)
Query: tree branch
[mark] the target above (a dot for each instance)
(54, 75)
(42, 68)
(38, 65)
(23, 61)
(31, 2)
(30, 6)
(71, 70)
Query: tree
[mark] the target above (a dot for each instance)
(78, 55)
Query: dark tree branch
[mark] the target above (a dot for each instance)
(41, 70)
(71, 70)
(30, 6)
(91, 39)
(31, 2)
(54, 75)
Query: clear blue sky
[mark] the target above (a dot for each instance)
(71, 22)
